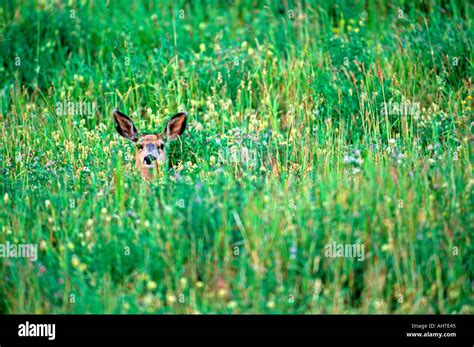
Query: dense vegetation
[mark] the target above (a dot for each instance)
(309, 123)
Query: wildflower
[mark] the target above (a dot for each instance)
(47, 203)
(70, 246)
(183, 282)
(171, 299)
(5, 198)
(75, 261)
(353, 158)
(212, 160)
(82, 267)
(232, 304)
(42, 245)
(151, 285)
(221, 293)
(88, 235)
(199, 284)
(271, 304)
(293, 251)
(148, 300)
(392, 141)
(42, 270)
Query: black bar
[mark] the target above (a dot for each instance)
(367, 328)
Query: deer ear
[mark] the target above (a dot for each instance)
(176, 125)
(125, 126)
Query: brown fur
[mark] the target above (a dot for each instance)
(150, 147)
(143, 140)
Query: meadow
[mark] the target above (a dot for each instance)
(310, 123)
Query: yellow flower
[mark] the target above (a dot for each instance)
(47, 203)
(151, 285)
(5, 198)
(42, 245)
(212, 160)
(70, 246)
(171, 299)
(271, 304)
(202, 47)
(88, 235)
(232, 304)
(221, 293)
(82, 267)
(199, 284)
(75, 261)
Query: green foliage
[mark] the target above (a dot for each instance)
(295, 140)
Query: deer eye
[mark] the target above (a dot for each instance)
(140, 147)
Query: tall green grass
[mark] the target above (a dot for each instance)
(300, 90)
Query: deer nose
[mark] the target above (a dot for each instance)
(149, 159)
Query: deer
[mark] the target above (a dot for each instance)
(150, 147)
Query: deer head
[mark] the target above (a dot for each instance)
(150, 147)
